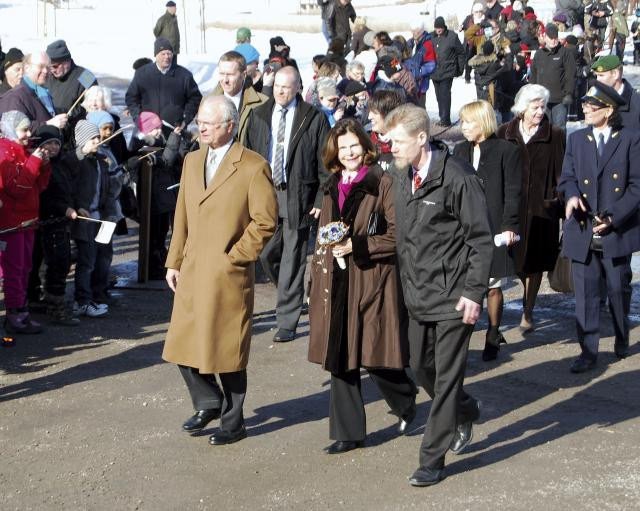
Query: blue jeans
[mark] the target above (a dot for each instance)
(325, 31)
(92, 268)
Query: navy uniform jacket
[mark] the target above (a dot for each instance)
(610, 186)
(630, 111)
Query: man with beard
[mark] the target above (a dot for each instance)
(444, 248)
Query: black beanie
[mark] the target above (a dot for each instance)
(13, 56)
(47, 133)
(353, 87)
(58, 50)
(439, 23)
(488, 48)
(161, 44)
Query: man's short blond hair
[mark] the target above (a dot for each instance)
(413, 120)
(481, 112)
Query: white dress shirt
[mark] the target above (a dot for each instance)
(275, 122)
(214, 158)
(422, 172)
(236, 99)
(606, 131)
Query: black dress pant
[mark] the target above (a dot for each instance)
(284, 260)
(56, 242)
(443, 95)
(587, 280)
(347, 419)
(438, 357)
(159, 225)
(206, 394)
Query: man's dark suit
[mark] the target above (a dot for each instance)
(284, 257)
(609, 186)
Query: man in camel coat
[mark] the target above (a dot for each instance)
(226, 213)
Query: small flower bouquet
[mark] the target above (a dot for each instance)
(330, 234)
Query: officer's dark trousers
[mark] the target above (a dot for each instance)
(438, 356)
(206, 394)
(586, 282)
(347, 420)
(443, 96)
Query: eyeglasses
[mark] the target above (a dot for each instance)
(591, 107)
(210, 124)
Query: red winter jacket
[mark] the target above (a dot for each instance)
(23, 178)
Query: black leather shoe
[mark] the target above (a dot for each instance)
(341, 446)
(201, 418)
(621, 351)
(403, 425)
(582, 365)
(227, 437)
(491, 348)
(426, 476)
(284, 335)
(462, 438)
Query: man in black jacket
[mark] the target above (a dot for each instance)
(67, 80)
(160, 83)
(450, 56)
(494, 8)
(444, 250)
(338, 22)
(554, 68)
(290, 134)
(608, 70)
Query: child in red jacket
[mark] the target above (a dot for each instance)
(24, 176)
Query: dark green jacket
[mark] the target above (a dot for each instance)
(167, 26)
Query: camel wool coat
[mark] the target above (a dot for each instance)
(218, 233)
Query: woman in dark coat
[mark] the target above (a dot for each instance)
(356, 315)
(498, 164)
(542, 151)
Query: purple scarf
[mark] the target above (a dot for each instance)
(345, 188)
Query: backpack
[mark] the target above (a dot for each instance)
(419, 69)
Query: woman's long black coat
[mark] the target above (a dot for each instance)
(500, 169)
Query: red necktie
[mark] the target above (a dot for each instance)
(417, 181)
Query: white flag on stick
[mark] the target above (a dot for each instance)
(106, 229)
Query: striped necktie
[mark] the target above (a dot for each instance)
(278, 162)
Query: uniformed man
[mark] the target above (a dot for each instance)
(601, 189)
(608, 70)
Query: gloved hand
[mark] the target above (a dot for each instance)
(133, 163)
(567, 100)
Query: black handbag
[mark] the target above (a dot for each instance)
(560, 279)
(377, 224)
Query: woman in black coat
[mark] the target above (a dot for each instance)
(542, 151)
(498, 164)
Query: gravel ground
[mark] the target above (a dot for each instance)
(91, 420)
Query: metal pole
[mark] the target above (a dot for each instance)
(184, 24)
(44, 17)
(146, 182)
(204, 29)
